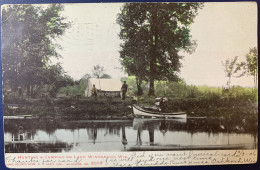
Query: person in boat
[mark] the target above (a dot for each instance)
(162, 105)
(94, 91)
(124, 90)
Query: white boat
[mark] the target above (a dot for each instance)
(141, 112)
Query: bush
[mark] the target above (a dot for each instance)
(182, 91)
(77, 89)
(176, 90)
(132, 87)
(241, 93)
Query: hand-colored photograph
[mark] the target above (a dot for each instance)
(126, 77)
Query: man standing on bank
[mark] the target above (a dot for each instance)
(124, 90)
(94, 91)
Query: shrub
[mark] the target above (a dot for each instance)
(132, 87)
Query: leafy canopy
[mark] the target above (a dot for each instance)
(28, 32)
(153, 35)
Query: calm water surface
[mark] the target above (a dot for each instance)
(123, 135)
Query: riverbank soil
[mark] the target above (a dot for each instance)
(87, 108)
(245, 112)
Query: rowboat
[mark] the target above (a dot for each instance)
(141, 112)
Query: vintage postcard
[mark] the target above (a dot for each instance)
(129, 84)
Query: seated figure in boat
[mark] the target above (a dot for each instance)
(162, 105)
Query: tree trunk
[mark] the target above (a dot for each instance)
(151, 88)
(139, 88)
(153, 53)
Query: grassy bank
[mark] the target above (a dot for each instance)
(209, 107)
(87, 108)
(197, 101)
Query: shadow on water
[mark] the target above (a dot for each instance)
(37, 147)
(47, 135)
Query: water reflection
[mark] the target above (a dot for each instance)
(124, 140)
(92, 134)
(163, 127)
(123, 135)
(37, 147)
(152, 126)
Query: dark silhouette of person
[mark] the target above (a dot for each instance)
(163, 127)
(138, 140)
(124, 140)
(162, 105)
(94, 135)
(151, 135)
(94, 91)
(124, 90)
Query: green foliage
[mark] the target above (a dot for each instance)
(180, 90)
(235, 103)
(105, 76)
(176, 90)
(98, 72)
(57, 79)
(241, 93)
(250, 67)
(28, 32)
(73, 90)
(132, 86)
(229, 68)
(153, 35)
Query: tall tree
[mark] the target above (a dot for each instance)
(153, 35)
(250, 66)
(230, 69)
(135, 62)
(28, 32)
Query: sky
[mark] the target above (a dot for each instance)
(222, 31)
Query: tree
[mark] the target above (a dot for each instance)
(135, 62)
(98, 71)
(153, 35)
(28, 32)
(250, 67)
(57, 79)
(86, 76)
(229, 68)
(105, 76)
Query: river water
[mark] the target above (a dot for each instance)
(57, 135)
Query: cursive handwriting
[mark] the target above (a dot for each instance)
(137, 159)
(184, 158)
(15, 160)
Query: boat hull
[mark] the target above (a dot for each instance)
(139, 112)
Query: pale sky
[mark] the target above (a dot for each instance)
(222, 30)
